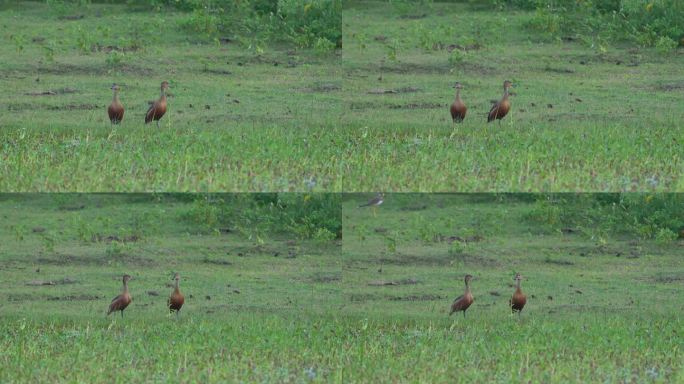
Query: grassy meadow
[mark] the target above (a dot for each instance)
(600, 307)
(584, 116)
(242, 115)
(257, 309)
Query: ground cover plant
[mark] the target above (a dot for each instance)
(248, 109)
(603, 301)
(585, 116)
(257, 308)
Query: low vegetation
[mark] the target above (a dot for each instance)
(255, 310)
(597, 309)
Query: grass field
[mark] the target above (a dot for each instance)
(582, 119)
(598, 310)
(238, 119)
(254, 311)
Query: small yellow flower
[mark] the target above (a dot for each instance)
(649, 7)
(307, 7)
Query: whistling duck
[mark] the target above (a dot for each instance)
(462, 302)
(116, 109)
(176, 299)
(458, 108)
(501, 108)
(519, 299)
(374, 202)
(158, 108)
(120, 302)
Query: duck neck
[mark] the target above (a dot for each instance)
(517, 285)
(177, 287)
(162, 96)
(125, 289)
(467, 289)
(505, 94)
(458, 94)
(115, 99)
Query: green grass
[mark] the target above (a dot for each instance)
(598, 310)
(238, 120)
(254, 311)
(582, 119)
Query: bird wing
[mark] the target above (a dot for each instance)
(458, 298)
(150, 112)
(492, 112)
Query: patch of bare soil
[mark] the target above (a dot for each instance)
(54, 92)
(381, 283)
(325, 277)
(670, 86)
(416, 106)
(94, 260)
(416, 298)
(74, 207)
(381, 91)
(216, 262)
(97, 238)
(66, 280)
(470, 47)
(218, 71)
(323, 87)
(73, 298)
(558, 262)
(365, 105)
(559, 70)
(360, 297)
(74, 107)
(72, 17)
(109, 48)
(462, 239)
(668, 278)
(416, 260)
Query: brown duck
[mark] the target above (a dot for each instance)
(120, 302)
(176, 299)
(158, 108)
(458, 108)
(464, 301)
(519, 299)
(116, 109)
(501, 108)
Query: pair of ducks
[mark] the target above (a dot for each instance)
(517, 301)
(122, 301)
(155, 112)
(499, 110)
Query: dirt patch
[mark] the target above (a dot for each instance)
(71, 17)
(381, 91)
(381, 283)
(218, 71)
(75, 207)
(216, 262)
(559, 70)
(102, 69)
(380, 230)
(66, 280)
(323, 87)
(416, 260)
(461, 239)
(670, 87)
(113, 48)
(94, 260)
(416, 298)
(471, 47)
(61, 91)
(73, 107)
(361, 297)
(668, 278)
(417, 106)
(325, 277)
(365, 105)
(73, 298)
(97, 238)
(558, 262)
(413, 17)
